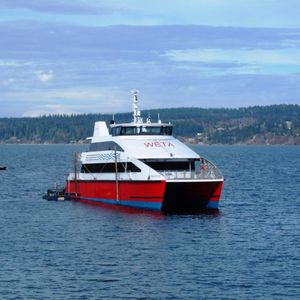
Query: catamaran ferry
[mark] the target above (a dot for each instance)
(140, 164)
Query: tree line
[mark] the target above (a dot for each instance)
(274, 124)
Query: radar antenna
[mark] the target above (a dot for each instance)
(136, 113)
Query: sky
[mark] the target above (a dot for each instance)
(87, 56)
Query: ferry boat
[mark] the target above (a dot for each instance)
(142, 165)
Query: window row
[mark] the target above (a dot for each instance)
(171, 165)
(141, 130)
(102, 146)
(109, 168)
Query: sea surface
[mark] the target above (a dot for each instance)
(67, 250)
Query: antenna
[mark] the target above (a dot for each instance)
(136, 113)
(112, 121)
(149, 118)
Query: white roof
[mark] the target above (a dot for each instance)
(155, 147)
(145, 146)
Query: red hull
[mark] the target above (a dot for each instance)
(192, 196)
(159, 195)
(144, 194)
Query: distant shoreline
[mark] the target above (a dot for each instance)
(190, 144)
(258, 125)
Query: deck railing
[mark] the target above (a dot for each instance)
(207, 170)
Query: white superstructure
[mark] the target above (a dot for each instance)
(148, 146)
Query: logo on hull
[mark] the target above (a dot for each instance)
(159, 144)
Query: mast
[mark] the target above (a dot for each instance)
(75, 174)
(117, 176)
(136, 113)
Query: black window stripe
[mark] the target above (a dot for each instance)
(109, 168)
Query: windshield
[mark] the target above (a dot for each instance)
(142, 130)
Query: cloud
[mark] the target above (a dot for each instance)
(79, 7)
(7, 82)
(247, 56)
(275, 61)
(93, 69)
(14, 63)
(74, 101)
(233, 13)
(44, 76)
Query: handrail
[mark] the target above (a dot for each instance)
(207, 171)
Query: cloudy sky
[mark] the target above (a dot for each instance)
(86, 56)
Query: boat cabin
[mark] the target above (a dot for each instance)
(141, 129)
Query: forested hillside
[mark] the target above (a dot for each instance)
(275, 124)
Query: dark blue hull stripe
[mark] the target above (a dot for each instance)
(213, 204)
(136, 204)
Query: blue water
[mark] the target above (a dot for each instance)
(67, 250)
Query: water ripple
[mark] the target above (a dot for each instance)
(65, 250)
